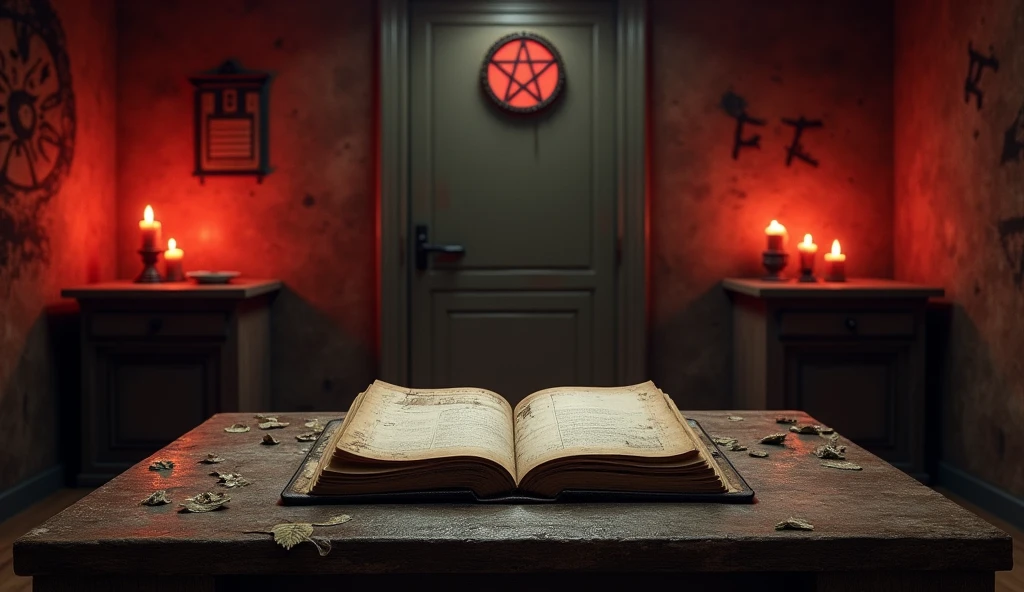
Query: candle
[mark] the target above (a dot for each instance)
(836, 264)
(150, 230)
(776, 236)
(807, 253)
(172, 260)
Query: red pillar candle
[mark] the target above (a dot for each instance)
(776, 234)
(808, 251)
(172, 260)
(150, 231)
(835, 264)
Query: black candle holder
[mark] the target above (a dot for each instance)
(150, 274)
(774, 262)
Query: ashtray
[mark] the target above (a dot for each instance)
(212, 277)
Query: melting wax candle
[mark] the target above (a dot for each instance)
(835, 264)
(172, 260)
(150, 230)
(808, 250)
(776, 234)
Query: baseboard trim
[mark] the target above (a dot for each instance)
(30, 491)
(986, 496)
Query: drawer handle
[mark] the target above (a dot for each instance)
(155, 325)
(851, 323)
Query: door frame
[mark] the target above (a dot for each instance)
(632, 200)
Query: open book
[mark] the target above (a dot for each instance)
(622, 439)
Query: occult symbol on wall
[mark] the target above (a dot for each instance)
(975, 67)
(37, 127)
(1011, 235)
(1013, 139)
(523, 73)
(796, 149)
(736, 106)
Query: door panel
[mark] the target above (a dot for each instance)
(513, 343)
(532, 198)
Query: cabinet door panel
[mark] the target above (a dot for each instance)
(859, 393)
(150, 396)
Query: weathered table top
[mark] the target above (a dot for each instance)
(878, 519)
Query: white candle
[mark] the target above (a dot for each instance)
(172, 259)
(150, 230)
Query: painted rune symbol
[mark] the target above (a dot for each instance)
(523, 72)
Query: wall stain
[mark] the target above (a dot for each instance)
(1013, 139)
(1011, 236)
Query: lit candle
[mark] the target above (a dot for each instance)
(807, 253)
(150, 230)
(776, 236)
(172, 259)
(836, 264)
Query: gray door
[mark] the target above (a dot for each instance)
(530, 197)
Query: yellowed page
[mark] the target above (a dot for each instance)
(398, 424)
(567, 421)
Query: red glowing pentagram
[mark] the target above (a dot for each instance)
(523, 72)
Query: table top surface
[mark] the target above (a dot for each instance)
(878, 515)
(237, 288)
(851, 288)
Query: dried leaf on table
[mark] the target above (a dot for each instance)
(776, 439)
(238, 428)
(307, 437)
(205, 502)
(212, 459)
(785, 420)
(825, 430)
(805, 429)
(273, 424)
(723, 441)
(290, 534)
(157, 498)
(734, 418)
(334, 520)
(230, 480)
(269, 440)
(794, 524)
(259, 417)
(829, 452)
(161, 465)
(758, 453)
(840, 464)
(315, 425)
(736, 447)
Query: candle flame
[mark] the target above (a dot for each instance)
(775, 228)
(148, 214)
(172, 244)
(807, 240)
(835, 247)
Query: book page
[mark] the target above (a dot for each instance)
(392, 423)
(567, 421)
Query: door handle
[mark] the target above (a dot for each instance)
(423, 248)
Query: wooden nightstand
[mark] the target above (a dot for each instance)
(159, 359)
(850, 354)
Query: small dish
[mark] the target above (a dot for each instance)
(212, 277)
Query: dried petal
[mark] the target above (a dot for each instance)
(259, 417)
(840, 464)
(804, 429)
(290, 534)
(785, 420)
(758, 453)
(723, 441)
(831, 452)
(825, 430)
(736, 447)
(776, 439)
(212, 459)
(307, 437)
(270, 440)
(230, 480)
(157, 498)
(734, 418)
(334, 520)
(273, 424)
(161, 465)
(238, 428)
(205, 502)
(794, 524)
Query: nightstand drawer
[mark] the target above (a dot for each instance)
(117, 324)
(846, 324)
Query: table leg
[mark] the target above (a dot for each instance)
(153, 583)
(914, 581)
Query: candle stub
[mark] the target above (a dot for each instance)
(173, 262)
(808, 250)
(835, 264)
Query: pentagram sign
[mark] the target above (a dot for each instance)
(523, 73)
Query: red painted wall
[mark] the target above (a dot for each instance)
(960, 218)
(822, 60)
(311, 222)
(68, 241)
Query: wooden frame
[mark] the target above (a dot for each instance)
(631, 158)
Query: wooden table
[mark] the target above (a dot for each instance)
(876, 529)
